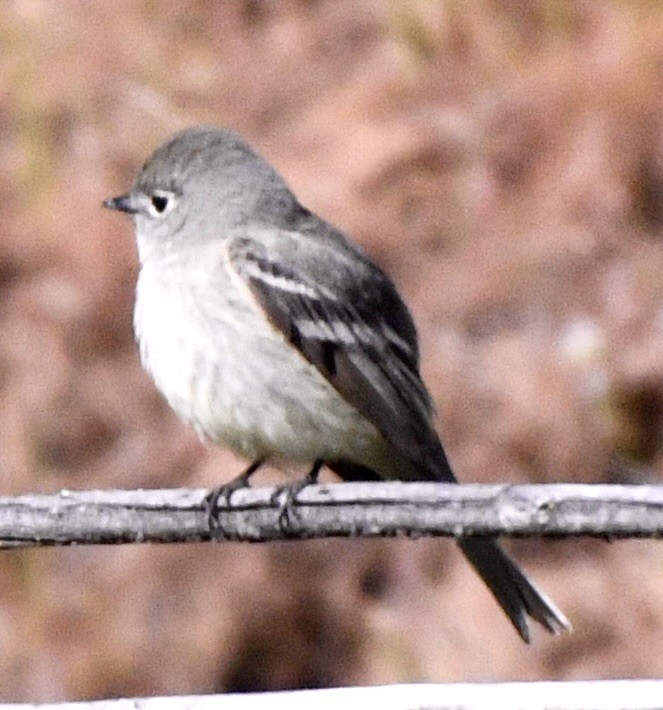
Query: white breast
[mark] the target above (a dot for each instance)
(225, 370)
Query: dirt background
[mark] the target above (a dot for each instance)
(502, 160)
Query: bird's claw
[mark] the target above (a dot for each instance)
(218, 499)
(285, 497)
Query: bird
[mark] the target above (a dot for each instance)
(272, 333)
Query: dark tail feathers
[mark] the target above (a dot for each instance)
(516, 594)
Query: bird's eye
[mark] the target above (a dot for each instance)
(159, 202)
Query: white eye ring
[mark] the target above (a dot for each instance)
(160, 202)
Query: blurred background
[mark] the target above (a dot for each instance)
(502, 160)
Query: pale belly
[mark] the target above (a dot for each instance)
(223, 369)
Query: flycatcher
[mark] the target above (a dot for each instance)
(273, 334)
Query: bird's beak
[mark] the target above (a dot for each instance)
(122, 203)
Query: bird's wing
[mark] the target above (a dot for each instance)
(346, 318)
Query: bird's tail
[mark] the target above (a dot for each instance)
(515, 593)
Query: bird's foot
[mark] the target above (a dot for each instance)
(219, 498)
(285, 497)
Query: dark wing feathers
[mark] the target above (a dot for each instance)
(346, 318)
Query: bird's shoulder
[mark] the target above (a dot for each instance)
(312, 259)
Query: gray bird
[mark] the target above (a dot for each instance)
(271, 333)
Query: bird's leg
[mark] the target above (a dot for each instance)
(286, 496)
(220, 497)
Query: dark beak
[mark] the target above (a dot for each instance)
(123, 203)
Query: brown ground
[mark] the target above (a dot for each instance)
(504, 165)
